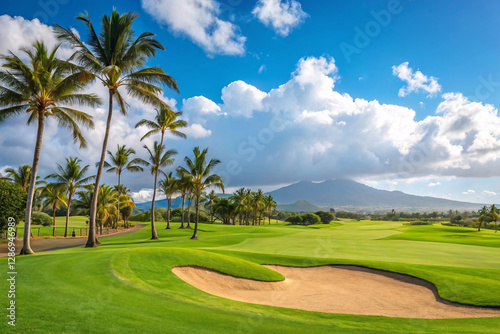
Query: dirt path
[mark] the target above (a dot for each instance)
(49, 244)
(339, 289)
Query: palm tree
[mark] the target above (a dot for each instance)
(71, 177)
(158, 159)
(119, 162)
(483, 215)
(223, 207)
(210, 199)
(117, 59)
(257, 200)
(165, 120)
(84, 200)
(240, 199)
(184, 186)
(494, 215)
(106, 204)
(269, 205)
(44, 87)
(168, 186)
(54, 199)
(201, 174)
(21, 176)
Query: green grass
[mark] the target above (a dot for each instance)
(126, 284)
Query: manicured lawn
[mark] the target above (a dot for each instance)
(126, 284)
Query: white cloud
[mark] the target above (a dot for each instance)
(469, 192)
(434, 184)
(242, 99)
(197, 131)
(415, 81)
(262, 68)
(281, 16)
(200, 21)
(146, 195)
(199, 108)
(489, 193)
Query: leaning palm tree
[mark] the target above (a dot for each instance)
(44, 87)
(210, 199)
(158, 159)
(117, 59)
(269, 205)
(54, 199)
(201, 173)
(119, 162)
(71, 177)
(168, 186)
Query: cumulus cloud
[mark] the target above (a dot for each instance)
(281, 16)
(325, 134)
(434, 184)
(469, 192)
(200, 21)
(416, 81)
(197, 131)
(241, 99)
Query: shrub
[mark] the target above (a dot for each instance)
(12, 203)
(41, 218)
(325, 216)
(310, 219)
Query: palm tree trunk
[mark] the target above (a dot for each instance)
(212, 213)
(67, 216)
(118, 201)
(195, 234)
(168, 213)
(31, 190)
(92, 239)
(54, 224)
(154, 235)
(269, 216)
(182, 211)
(189, 214)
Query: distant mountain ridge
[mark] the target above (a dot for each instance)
(344, 195)
(341, 193)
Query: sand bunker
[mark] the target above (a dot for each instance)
(339, 289)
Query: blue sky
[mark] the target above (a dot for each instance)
(303, 64)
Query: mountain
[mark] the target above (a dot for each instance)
(348, 194)
(162, 203)
(299, 206)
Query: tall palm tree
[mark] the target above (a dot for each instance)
(269, 205)
(71, 177)
(240, 199)
(158, 159)
(257, 200)
(117, 59)
(165, 121)
(201, 173)
(483, 214)
(43, 87)
(119, 162)
(184, 186)
(21, 176)
(494, 215)
(223, 208)
(210, 199)
(54, 199)
(168, 186)
(84, 199)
